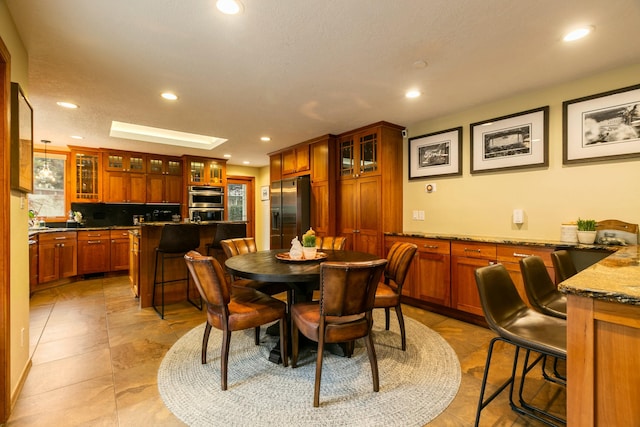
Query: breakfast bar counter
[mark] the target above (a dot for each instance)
(603, 341)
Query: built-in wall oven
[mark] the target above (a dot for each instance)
(206, 203)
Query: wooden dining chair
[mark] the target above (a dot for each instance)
(336, 243)
(233, 308)
(388, 294)
(343, 314)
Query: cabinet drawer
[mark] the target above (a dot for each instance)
(433, 246)
(119, 234)
(57, 236)
(93, 235)
(514, 253)
(474, 250)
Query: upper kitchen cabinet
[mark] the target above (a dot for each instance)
(364, 151)
(164, 179)
(124, 177)
(275, 167)
(86, 175)
(205, 171)
(296, 160)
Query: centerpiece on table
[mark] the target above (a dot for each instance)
(586, 231)
(309, 244)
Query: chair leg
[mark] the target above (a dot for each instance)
(387, 316)
(403, 335)
(257, 335)
(481, 402)
(294, 344)
(224, 358)
(283, 341)
(155, 281)
(373, 361)
(205, 342)
(316, 389)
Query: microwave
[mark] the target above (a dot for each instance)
(205, 215)
(201, 196)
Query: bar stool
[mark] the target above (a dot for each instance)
(226, 231)
(563, 265)
(175, 241)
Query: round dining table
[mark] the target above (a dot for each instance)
(303, 276)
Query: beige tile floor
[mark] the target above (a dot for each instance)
(95, 356)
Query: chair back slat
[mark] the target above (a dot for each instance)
(209, 278)
(336, 243)
(239, 246)
(399, 260)
(349, 288)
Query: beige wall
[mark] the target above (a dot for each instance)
(482, 204)
(19, 264)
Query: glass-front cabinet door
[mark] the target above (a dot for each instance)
(347, 161)
(215, 172)
(197, 172)
(86, 176)
(368, 153)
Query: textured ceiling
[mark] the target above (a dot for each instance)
(295, 69)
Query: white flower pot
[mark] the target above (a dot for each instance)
(309, 252)
(586, 237)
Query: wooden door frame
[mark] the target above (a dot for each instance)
(5, 227)
(250, 182)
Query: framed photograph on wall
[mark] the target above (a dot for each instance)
(515, 141)
(436, 154)
(605, 126)
(264, 192)
(21, 141)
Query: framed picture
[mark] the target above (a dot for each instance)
(21, 141)
(264, 192)
(436, 154)
(515, 141)
(605, 126)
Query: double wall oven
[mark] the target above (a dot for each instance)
(206, 203)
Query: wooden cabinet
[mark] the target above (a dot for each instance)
(134, 263)
(33, 263)
(369, 167)
(119, 250)
(323, 185)
(164, 179)
(275, 167)
(205, 171)
(94, 251)
(466, 257)
(124, 177)
(430, 271)
(296, 160)
(510, 256)
(86, 174)
(57, 256)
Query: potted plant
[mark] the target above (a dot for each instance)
(309, 244)
(586, 231)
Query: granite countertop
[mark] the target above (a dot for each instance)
(616, 278)
(504, 240)
(162, 223)
(39, 230)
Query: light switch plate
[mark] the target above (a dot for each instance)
(518, 216)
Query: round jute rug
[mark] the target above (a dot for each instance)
(415, 385)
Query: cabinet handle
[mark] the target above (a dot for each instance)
(94, 242)
(472, 250)
(431, 246)
(94, 235)
(60, 238)
(516, 254)
(61, 245)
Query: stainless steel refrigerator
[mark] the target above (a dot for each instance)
(290, 210)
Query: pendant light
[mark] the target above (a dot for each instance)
(45, 175)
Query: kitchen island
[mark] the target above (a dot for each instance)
(603, 341)
(148, 239)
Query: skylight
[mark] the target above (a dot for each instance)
(164, 136)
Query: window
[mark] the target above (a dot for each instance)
(48, 197)
(237, 203)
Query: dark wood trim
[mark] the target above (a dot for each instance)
(446, 311)
(250, 182)
(5, 227)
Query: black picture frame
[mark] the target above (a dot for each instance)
(436, 154)
(515, 141)
(21, 130)
(604, 126)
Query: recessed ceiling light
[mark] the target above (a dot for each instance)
(77, 137)
(170, 96)
(412, 94)
(164, 136)
(66, 104)
(227, 156)
(578, 33)
(229, 7)
(420, 64)
(246, 162)
(265, 139)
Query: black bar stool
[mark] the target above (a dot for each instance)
(175, 241)
(226, 231)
